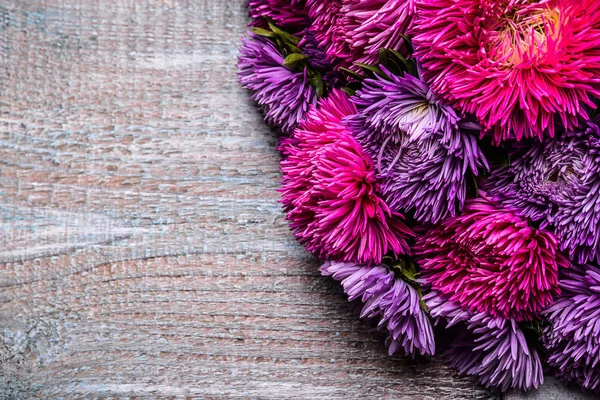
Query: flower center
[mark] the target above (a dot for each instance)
(528, 38)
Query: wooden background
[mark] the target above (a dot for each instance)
(143, 251)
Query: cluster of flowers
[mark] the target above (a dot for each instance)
(443, 158)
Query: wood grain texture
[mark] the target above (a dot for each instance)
(143, 251)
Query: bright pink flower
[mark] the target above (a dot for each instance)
(330, 191)
(355, 30)
(372, 25)
(515, 64)
(330, 29)
(489, 259)
(289, 14)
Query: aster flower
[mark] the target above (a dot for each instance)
(572, 336)
(372, 25)
(424, 151)
(317, 59)
(330, 191)
(491, 260)
(355, 30)
(284, 96)
(557, 183)
(515, 64)
(390, 300)
(493, 349)
(289, 14)
(329, 28)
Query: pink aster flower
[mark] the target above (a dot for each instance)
(515, 64)
(491, 260)
(288, 14)
(330, 191)
(355, 30)
(372, 25)
(330, 29)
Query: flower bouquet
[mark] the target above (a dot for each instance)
(443, 158)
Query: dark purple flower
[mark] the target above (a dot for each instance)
(288, 14)
(572, 336)
(492, 349)
(317, 58)
(284, 96)
(557, 182)
(423, 150)
(390, 300)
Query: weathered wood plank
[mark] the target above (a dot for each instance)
(142, 248)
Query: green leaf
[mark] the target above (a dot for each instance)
(294, 40)
(317, 82)
(408, 43)
(373, 69)
(294, 60)
(349, 91)
(412, 68)
(398, 55)
(421, 302)
(265, 33)
(353, 74)
(408, 270)
(383, 56)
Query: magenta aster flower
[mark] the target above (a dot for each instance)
(355, 30)
(288, 14)
(572, 336)
(330, 190)
(491, 260)
(329, 28)
(423, 150)
(557, 182)
(515, 64)
(372, 25)
(284, 96)
(390, 300)
(493, 349)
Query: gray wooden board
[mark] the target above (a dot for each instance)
(143, 251)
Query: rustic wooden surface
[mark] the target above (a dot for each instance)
(142, 248)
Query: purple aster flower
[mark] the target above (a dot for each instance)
(317, 59)
(557, 182)
(284, 96)
(422, 148)
(572, 336)
(288, 14)
(394, 302)
(492, 349)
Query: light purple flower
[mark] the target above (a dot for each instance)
(492, 349)
(284, 96)
(572, 336)
(390, 300)
(557, 182)
(423, 150)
